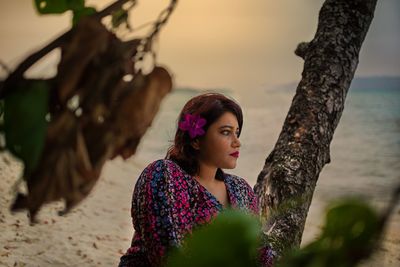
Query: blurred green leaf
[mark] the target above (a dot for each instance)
(58, 6)
(230, 240)
(51, 6)
(75, 4)
(1, 115)
(119, 17)
(1, 107)
(80, 13)
(24, 122)
(350, 232)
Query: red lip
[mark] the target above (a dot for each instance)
(235, 154)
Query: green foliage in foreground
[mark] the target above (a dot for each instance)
(1, 114)
(232, 239)
(77, 7)
(25, 125)
(79, 10)
(349, 235)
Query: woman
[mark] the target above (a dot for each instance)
(189, 188)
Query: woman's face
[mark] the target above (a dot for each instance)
(219, 147)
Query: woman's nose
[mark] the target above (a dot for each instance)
(236, 142)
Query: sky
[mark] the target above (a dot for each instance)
(231, 44)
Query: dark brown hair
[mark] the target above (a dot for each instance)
(209, 106)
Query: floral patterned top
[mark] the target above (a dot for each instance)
(168, 203)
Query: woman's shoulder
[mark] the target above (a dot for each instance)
(238, 181)
(243, 193)
(163, 164)
(163, 169)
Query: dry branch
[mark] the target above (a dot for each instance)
(108, 119)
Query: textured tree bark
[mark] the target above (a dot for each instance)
(286, 184)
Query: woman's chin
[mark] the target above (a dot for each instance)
(231, 165)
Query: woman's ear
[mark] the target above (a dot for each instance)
(196, 144)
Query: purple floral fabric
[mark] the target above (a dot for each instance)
(168, 203)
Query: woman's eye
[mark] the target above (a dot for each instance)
(225, 132)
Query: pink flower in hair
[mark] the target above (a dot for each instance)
(193, 124)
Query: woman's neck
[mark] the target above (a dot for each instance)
(206, 173)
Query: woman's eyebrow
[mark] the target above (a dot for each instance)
(228, 126)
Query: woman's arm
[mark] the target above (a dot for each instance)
(136, 255)
(157, 206)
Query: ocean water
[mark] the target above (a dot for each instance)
(365, 151)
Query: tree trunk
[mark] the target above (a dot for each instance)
(286, 184)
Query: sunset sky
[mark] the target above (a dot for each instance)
(217, 44)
